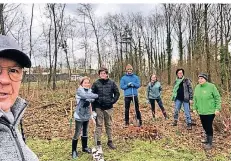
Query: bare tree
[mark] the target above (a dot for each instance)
(168, 15)
(206, 7)
(30, 53)
(86, 11)
(57, 11)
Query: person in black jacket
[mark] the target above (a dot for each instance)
(108, 94)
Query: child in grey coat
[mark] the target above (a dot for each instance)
(82, 115)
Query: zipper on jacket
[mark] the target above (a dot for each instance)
(13, 131)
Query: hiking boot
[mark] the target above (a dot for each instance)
(110, 144)
(208, 146)
(165, 115)
(189, 126)
(174, 123)
(205, 140)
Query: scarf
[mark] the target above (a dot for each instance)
(176, 87)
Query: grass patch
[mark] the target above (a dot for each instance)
(131, 150)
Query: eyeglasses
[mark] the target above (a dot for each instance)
(15, 73)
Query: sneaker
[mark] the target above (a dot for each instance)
(174, 123)
(110, 144)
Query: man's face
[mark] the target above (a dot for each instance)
(180, 74)
(129, 70)
(103, 75)
(9, 89)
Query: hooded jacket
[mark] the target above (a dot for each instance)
(12, 146)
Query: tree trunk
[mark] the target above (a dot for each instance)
(30, 53)
(2, 28)
(55, 47)
(207, 41)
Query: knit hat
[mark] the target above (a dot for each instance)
(129, 67)
(203, 75)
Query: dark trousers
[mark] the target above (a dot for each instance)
(127, 106)
(207, 123)
(160, 103)
(81, 125)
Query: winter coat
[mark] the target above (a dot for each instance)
(83, 97)
(207, 99)
(154, 90)
(108, 93)
(130, 91)
(12, 146)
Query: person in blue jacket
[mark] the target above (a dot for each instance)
(82, 115)
(130, 84)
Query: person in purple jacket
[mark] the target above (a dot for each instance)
(130, 84)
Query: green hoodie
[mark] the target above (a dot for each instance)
(207, 99)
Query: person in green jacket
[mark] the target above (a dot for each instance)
(153, 93)
(207, 103)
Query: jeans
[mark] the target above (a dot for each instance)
(187, 114)
(81, 125)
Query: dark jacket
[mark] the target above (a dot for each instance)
(188, 91)
(108, 94)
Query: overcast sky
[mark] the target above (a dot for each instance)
(102, 9)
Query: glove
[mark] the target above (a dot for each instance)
(86, 104)
(130, 84)
(93, 115)
(147, 101)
